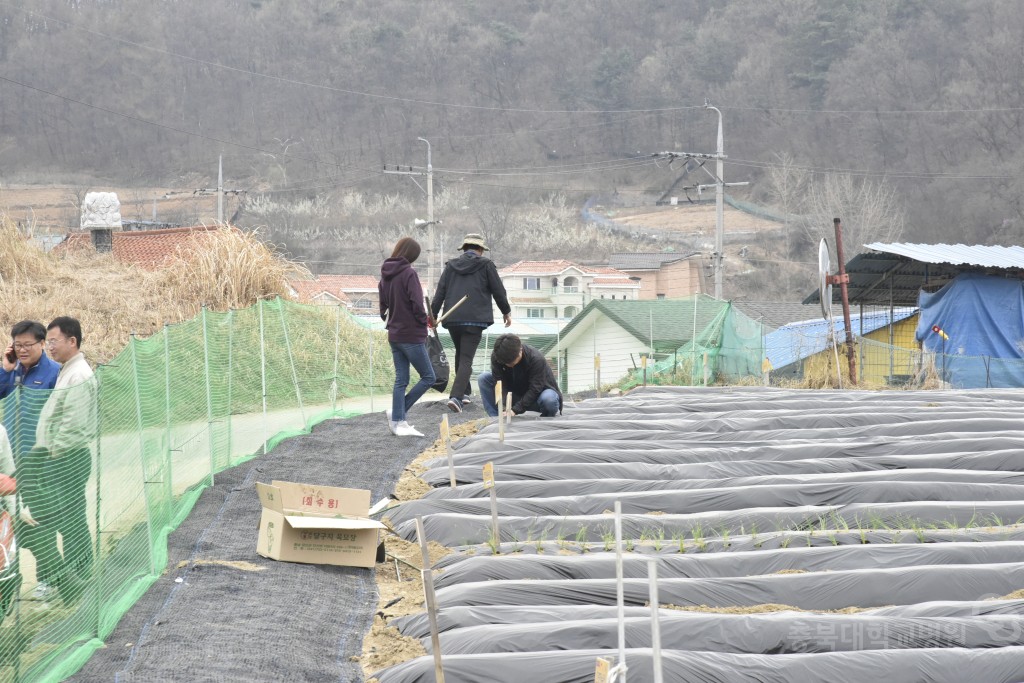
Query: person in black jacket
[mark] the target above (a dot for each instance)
(525, 374)
(476, 277)
(403, 309)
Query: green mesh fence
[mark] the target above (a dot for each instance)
(108, 468)
(138, 444)
(720, 344)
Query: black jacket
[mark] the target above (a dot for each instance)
(526, 379)
(401, 302)
(477, 277)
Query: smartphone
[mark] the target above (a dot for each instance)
(12, 357)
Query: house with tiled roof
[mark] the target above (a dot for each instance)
(560, 288)
(149, 249)
(662, 275)
(356, 292)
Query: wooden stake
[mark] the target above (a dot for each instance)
(431, 601)
(489, 485)
(446, 440)
(499, 398)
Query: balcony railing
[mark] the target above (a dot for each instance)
(545, 291)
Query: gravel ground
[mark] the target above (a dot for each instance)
(229, 621)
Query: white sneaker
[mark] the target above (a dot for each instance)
(391, 423)
(403, 428)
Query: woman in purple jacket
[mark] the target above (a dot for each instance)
(402, 308)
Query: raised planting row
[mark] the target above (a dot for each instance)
(799, 536)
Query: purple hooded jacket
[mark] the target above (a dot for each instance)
(401, 302)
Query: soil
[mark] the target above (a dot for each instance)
(690, 218)
(399, 581)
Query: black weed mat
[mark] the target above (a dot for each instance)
(236, 616)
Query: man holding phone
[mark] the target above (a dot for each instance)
(25, 362)
(26, 366)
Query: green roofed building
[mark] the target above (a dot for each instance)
(684, 339)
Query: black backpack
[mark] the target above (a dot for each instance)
(438, 360)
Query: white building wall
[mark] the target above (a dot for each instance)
(615, 345)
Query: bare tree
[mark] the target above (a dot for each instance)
(870, 211)
(787, 183)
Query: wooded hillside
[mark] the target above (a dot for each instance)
(912, 106)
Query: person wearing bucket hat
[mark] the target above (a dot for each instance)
(475, 277)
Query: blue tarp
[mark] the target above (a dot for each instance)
(983, 316)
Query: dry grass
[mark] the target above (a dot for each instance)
(229, 269)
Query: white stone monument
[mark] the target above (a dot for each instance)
(101, 215)
(101, 210)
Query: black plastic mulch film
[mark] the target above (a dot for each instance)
(877, 531)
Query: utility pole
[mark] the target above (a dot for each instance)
(719, 177)
(430, 222)
(432, 249)
(719, 202)
(220, 191)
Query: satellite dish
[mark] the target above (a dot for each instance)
(824, 286)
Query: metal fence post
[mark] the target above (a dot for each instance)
(132, 343)
(291, 361)
(231, 352)
(209, 397)
(263, 376)
(337, 349)
(168, 464)
(97, 544)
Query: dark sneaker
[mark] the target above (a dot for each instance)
(454, 405)
(466, 401)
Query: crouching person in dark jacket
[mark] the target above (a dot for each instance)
(525, 374)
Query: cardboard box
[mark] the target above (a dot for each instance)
(317, 524)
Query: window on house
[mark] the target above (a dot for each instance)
(534, 312)
(363, 303)
(602, 296)
(661, 296)
(531, 283)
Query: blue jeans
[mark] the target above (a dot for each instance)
(405, 355)
(546, 404)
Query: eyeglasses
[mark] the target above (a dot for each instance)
(53, 342)
(24, 346)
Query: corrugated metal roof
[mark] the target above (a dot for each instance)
(896, 273)
(796, 341)
(982, 255)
